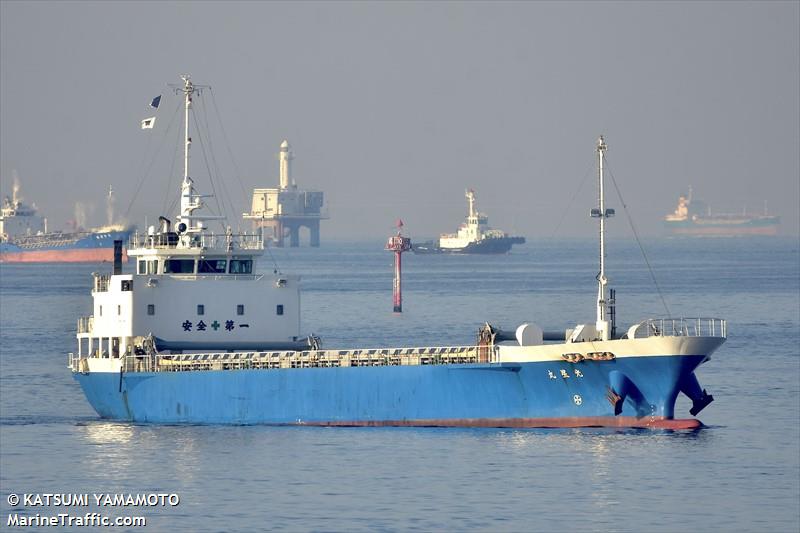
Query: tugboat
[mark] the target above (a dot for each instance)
(473, 237)
(197, 335)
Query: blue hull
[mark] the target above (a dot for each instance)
(63, 247)
(492, 395)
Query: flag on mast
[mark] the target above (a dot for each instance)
(147, 124)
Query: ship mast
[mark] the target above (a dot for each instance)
(602, 213)
(188, 89)
(190, 200)
(471, 200)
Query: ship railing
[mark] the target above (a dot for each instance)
(439, 355)
(48, 239)
(77, 363)
(680, 327)
(101, 282)
(218, 277)
(140, 363)
(86, 324)
(230, 242)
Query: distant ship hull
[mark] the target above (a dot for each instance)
(63, 248)
(694, 218)
(718, 226)
(529, 394)
(496, 245)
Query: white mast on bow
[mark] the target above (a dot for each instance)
(602, 325)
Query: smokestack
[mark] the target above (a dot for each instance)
(117, 257)
(15, 190)
(110, 206)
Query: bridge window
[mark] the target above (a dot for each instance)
(147, 267)
(201, 309)
(151, 309)
(240, 309)
(179, 266)
(241, 266)
(127, 284)
(211, 266)
(279, 309)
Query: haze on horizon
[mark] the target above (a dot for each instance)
(393, 109)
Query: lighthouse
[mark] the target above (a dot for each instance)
(282, 212)
(398, 244)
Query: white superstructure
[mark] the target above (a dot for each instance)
(191, 289)
(473, 230)
(18, 219)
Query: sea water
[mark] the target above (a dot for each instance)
(740, 473)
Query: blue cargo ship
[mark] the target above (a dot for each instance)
(24, 237)
(64, 247)
(196, 335)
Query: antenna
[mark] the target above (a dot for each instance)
(602, 213)
(188, 89)
(471, 199)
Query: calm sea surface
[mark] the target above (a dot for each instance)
(741, 473)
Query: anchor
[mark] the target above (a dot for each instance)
(691, 388)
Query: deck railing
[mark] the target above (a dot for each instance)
(681, 327)
(306, 359)
(85, 324)
(101, 282)
(241, 241)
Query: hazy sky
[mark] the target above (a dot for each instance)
(394, 108)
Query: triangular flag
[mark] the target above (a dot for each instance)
(148, 123)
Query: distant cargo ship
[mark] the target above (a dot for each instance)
(24, 238)
(695, 218)
(473, 237)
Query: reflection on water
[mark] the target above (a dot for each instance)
(108, 449)
(114, 447)
(740, 474)
(603, 494)
(100, 433)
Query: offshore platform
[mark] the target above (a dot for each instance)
(281, 212)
